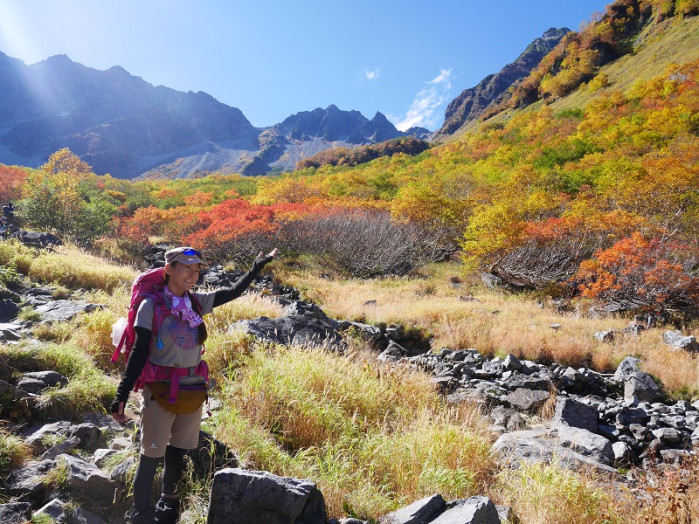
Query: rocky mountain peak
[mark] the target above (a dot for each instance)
(472, 102)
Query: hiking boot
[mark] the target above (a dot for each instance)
(166, 511)
(136, 516)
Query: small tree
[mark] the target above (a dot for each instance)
(52, 198)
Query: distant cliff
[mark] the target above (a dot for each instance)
(471, 103)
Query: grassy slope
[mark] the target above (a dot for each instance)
(372, 436)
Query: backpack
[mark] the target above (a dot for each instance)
(147, 285)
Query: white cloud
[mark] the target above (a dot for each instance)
(424, 111)
(372, 75)
(443, 78)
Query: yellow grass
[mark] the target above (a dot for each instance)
(497, 323)
(373, 437)
(548, 493)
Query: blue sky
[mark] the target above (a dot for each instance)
(407, 59)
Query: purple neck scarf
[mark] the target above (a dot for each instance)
(182, 308)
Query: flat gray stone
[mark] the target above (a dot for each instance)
(540, 445)
(63, 310)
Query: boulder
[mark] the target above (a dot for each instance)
(10, 332)
(627, 367)
(120, 473)
(65, 446)
(605, 336)
(26, 483)
(623, 455)
(211, 455)
(512, 363)
(86, 481)
(539, 445)
(586, 443)
(50, 378)
(256, 496)
(473, 510)
(31, 385)
(677, 340)
(570, 412)
(527, 399)
(394, 351)
(53, 509)
(367, 333)
(641, 386)
(62, 310)
(37, 239)
(424, 510)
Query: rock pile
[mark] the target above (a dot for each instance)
(616, 419)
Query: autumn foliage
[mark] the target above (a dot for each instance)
(598, 201)
(653, 274)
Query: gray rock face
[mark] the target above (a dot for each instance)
(423, 510)
(641, 386)
(253, 496)
(570, 412)
(473, 510)
(471, 103)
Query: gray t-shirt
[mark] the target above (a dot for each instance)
(176, 343)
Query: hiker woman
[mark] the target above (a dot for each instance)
(166, 363)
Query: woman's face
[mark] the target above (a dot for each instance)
(182, 277)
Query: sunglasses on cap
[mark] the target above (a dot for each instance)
(191, 252)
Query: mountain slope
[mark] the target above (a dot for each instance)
(471, 103)
(122, 125)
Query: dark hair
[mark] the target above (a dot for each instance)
(203, 333)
